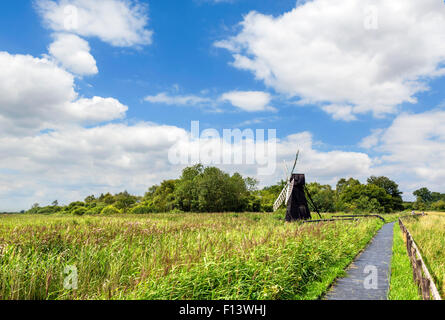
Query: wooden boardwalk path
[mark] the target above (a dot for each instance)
(368, 276)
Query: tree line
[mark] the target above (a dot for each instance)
(428, 200)
(209, 189)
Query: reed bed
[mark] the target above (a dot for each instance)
(402, 285)
(175, 256)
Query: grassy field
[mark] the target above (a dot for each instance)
(175, 256)
(429, 234)
(402, 286)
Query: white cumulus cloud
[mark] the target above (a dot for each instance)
(178, 100)
(250, 101)
(323, 52)
(73, 53)
(36, 94)
(324, 167)
(412, 150)
(120, 23)
(96, 110)
(340, 112)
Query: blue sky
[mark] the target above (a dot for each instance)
(354, 88)
(183, 55)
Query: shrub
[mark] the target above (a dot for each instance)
(95, 210)
(80, 211)
(76, 204)
(438, 206)
(141, 209)
(109, 211)
(418, 205)
(408, 206)
(46, 210)
(176, 210)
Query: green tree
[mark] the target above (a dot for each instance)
(107, 199)
(391, 188)
(340, 203)
(323, 196)
(438, 205)
(365, 204)
(342, 184)
(213, 191)
(238, 194)
(437, 196)
(163, 198)
(124, 201)
(423, 195)
(268, 195)
(251, 184)
(355, 195)
(186, 191)
(90, 199)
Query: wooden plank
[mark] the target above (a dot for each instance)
(418, 268)
(426, 287)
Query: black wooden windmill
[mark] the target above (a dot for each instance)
(294, 197)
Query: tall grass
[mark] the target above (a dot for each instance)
(176, 256)
(429, 234)
(402, 286)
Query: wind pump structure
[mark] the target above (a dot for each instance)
(294, 196)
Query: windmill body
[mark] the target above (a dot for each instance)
(297, 206)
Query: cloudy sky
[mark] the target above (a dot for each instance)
(94, 94)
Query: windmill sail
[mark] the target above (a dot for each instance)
(281, 198)
(287, 190)
(290, 188)
(295, 163)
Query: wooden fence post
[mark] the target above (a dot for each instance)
(418, 277)
(425, 289)
(408, 247)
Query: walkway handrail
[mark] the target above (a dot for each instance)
(361, 215)
(425, 283)
(329, 220)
